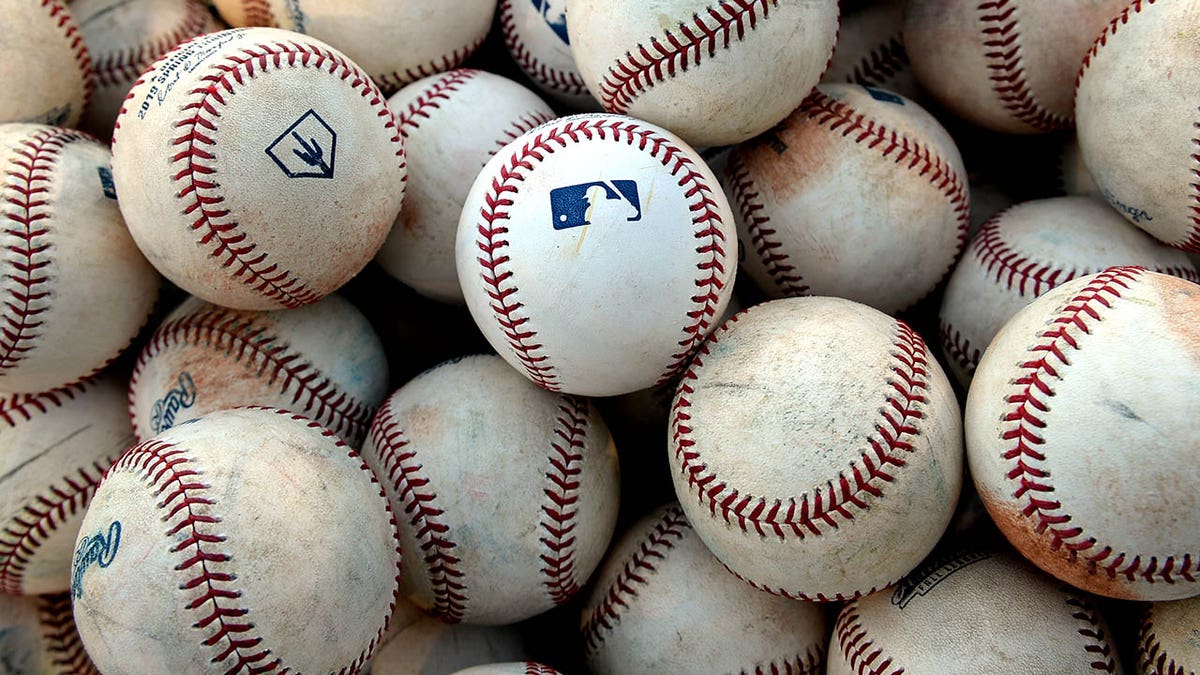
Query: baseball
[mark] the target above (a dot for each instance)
(655, 605)
(124, 38)
(54, 447)
(535, 33)
(205, 197)
(870, 50)
(246, 540)
(45, 68)
(969, 612)
(859, 194)
(76, 289)
(515, 668)
(715, 73)
(1005, 65)
(323, 361)
(596, 253)
(452, 124)
(1169, 638)
(1026, 250)
(37, 635)
(431, 646)
(507, 493)
(1073, 176)
(1136, 110)
(1081, 431)
(857, 440)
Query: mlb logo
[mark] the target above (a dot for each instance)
(596, 202)
(554, 13)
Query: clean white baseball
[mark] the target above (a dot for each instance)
(663, 604)
(1006, 65)
(45, 68)
(857, 440)
(248, 540)
(870, 50)
(535, 32)
(855, 179)
(428, 647)
(37, 635)
(124, 37)
(1026, 250)
(452, 124)
(972, 611)
(75, 288)
(508, 494)
(54, 447)
(1169, 639)
(714, 72)
(1139, 128)
(596, 253)
(323, 361)
(258, 168)
(514, 668)
(1081, 429)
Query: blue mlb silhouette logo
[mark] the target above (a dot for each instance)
(598, 201)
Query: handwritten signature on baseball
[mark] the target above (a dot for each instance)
(162, 415)
(96, 549)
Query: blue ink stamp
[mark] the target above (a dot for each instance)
(579, 205)
(162, 415)
(106, 182)
(884, 96)
(554, 13)
(96, 549)
(1134, 213)
(307, 149)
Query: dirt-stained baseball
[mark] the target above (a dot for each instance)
(428, 646)
(537, 39)
(45, 68)
(37, 635)
(1169, 639)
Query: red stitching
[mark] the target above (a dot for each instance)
(431, 98)
(857, 647)
(958, 348)
(835, 503)
(558, 514)
(1011, 268)
(63, 645)
(563, 82)
(524, 124)
(1111, 29)
(532, 668)
(1191, 242)
(1153, 658)
(1096, 642)
(242, 339)
(1026, 418)
(123, 66)
(258, 13)
(809, 663)
(651, 551)
(201, 190)
(1002, 50)
(75, 37)
(791, 595)
(491, 243)
(881, 64)
(783, 273)
(643, 67)
(397, 79)
(399, 462)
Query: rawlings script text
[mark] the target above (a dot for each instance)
(162, 415)
(97, 549)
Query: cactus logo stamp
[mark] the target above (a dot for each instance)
(921, 584)
(106, 182)
(596, 202)
(307, 149)
(554, 13)
(97, 549)
(162, 415)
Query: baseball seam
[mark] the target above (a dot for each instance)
(1095, 642)
(1111, 29)
(499, 279)
(1153, 658)
(1002, 48)
(397, 79)
(857, 647)
(556, 80)
(121, 67)
(756, 221)
(793, 595)
(17, 408)
(258, 13)
(525, 123)
(562, 499)
(532, 668)
(74, 36)
(63, 644)
(638, 70)
(1026, 418)
(238, 336)
(881, 64)
(1191, 242)
(957, 347)
(431, 98)
(401, 466)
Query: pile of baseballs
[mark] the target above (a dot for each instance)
(301, 376)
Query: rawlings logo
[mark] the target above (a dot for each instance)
(162, 415)
(94, 550)
(915, 584)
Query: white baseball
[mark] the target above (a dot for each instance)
(54, 447)
(595, 253)
(856, 179)
(1136, 109)
(452, 124)
(258, 168)
(972, 611)
(1169, 639)
(1006, 65)
(75, 287)
(715, 73)
(514, 668)
(124, 38)
(45, 68)
(507, 493)
(1026, 250)
(37, 635)
(870, 50)
(246, 540)
(663, 604)
(535, 32)
(1081, 430)
(1073, 176)
(857, 440)
(431, 647)
(323, 361)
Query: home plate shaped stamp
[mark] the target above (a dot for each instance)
(307, 149)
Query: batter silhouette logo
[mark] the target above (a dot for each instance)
(554, 13)
(596, 202)
(307, 149)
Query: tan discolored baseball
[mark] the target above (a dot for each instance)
(431, 646)
(37, 635)
(257, 168)
(1080, 427)
(1169, 639)
(249, 539)
(536, 36)
(45, 68)
(508, 493)
(76, 289)
(323, 361)
(663, 604)
(857, 448)
(870, 50)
